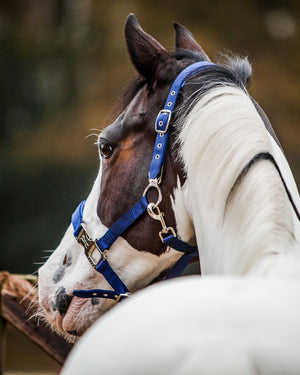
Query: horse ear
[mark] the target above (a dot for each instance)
(185, 40)
(145, 52)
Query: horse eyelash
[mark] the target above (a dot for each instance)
(97, 133)
(106, 141)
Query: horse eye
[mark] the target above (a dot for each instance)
(105, 150)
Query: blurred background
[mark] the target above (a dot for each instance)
(63, 65)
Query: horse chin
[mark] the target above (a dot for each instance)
(75, 322)
(80, 315)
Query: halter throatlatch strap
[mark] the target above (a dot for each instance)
(96, 250)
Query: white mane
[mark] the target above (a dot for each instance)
(252, 228)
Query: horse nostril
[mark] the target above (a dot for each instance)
(61, 301)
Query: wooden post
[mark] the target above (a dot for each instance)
(2, 344)
(18, 306)
(3, 277)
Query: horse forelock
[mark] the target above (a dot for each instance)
(240, 67)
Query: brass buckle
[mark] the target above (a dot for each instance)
(91, 249)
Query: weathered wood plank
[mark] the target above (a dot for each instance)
(2, 344)
(18, 306)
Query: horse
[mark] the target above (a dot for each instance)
(192, 325)
(218, 183)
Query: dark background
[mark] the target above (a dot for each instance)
(64, 63)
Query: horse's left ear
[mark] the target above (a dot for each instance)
(185, 40)
(145, 52)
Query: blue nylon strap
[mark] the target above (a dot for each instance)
(119, 287)
(98, 293)
(159, 155)
(164, 117)
(104, 243)
(179, 245)
(77, 217)
(105, 269)
(180, 265)
(188, 250)
(122, 224)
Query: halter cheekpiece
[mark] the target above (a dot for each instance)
(96, 250)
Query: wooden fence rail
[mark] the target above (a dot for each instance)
(18, 297)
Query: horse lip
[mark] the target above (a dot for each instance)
(68, 320)
(63, 318)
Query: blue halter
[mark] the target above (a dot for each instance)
(96, 250)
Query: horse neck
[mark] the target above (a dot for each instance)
(245, 227)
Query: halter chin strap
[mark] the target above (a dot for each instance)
(96, 250)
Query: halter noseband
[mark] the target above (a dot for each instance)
(96, 250)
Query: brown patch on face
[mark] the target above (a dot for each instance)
(125, 173)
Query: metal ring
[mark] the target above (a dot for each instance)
(165, 231)
(153, 184)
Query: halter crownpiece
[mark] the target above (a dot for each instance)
(96, 250)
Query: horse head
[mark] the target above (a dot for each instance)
(138, 257)
(200, 188)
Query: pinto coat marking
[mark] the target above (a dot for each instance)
(216, 131)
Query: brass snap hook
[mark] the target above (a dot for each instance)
(158, 215)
